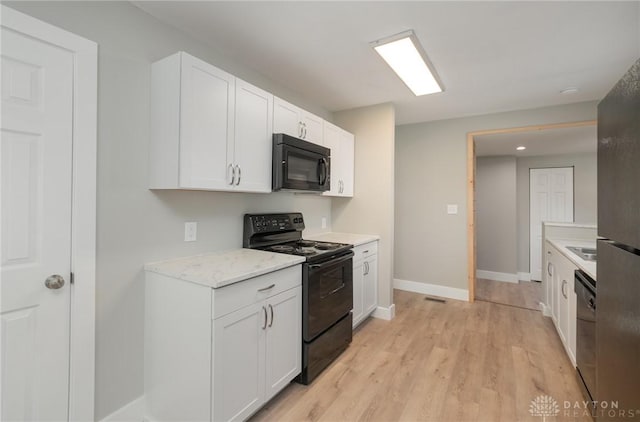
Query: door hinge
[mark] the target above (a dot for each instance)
(71, 278)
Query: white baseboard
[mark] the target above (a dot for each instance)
(546, 311)
(493, 275)
(524, 276)
(385, 313)
(431, 289)
(130, 412)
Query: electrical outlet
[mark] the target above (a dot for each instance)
(324, 222)
(190, 231)
(452, 208)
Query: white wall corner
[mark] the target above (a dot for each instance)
(431, 289)
(385, 313)
(130, 412)
(524, 276)
(493, 275)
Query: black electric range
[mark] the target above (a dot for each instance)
(327, 285)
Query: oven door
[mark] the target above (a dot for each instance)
(327, 294)
(586, 332)
(300, 169)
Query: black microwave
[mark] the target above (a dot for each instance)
(300, 165)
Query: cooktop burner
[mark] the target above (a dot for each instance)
(282, 248)
(306, 243)
(326, 246)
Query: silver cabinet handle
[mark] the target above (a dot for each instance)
(264, 311)
(366, 268)
(239, 174)
(300, 130)
(271, 310)
(54, 282)
(264, 289)
(233, 173)
(304, 130)
(549, 268)
(564, 293)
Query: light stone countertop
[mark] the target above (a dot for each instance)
(587, 266)
(350, 238)
(219, 269)
(576, 225)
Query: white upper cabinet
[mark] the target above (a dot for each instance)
(294, 121)
(341, 144)
(253, 138)
(209, 130)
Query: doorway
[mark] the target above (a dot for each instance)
(49, 113)
(518, 272)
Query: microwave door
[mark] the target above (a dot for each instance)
(304, 170)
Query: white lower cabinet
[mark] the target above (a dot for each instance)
(220, 354)
(561, 297)
(365, 281)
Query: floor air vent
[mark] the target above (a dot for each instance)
(435, 299)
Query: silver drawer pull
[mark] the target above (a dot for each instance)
(367, 251)
(264, 289)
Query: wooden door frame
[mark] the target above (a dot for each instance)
(83, 206)
(471, 180)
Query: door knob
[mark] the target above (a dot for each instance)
(54, 282)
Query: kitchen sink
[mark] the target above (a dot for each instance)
(588, 254)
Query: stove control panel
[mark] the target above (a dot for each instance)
(273, 223)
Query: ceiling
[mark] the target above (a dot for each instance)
(491, 56)
(540, 142)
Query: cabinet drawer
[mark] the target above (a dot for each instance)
(366, 250)
(230, 298)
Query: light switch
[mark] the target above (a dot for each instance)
(452, 208)
(190, 231)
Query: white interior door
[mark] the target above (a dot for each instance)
(551, 199)
(36, 149)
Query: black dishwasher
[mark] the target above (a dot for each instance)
(585, 288)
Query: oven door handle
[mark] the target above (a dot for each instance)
(331, 262)
(333, 291)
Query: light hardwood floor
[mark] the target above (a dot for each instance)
(438, 362)
(525, 294)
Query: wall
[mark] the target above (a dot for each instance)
(585, 193)
(431, 172)
(371, 209)
(496, 214)
(136, 225)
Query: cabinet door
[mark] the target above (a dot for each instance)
(283, 340)
(358, 294)
(370, 285)
(554, 288)
(286, 118)
(239, 363)
(347, 154)
(312, 127)
(206, 125)
(332, 141)
(253, 138)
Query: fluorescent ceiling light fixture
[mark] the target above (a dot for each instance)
(521, 148)
(404, 54)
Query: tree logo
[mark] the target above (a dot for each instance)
(544, 406)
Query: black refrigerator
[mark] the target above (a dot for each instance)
(618, 270)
